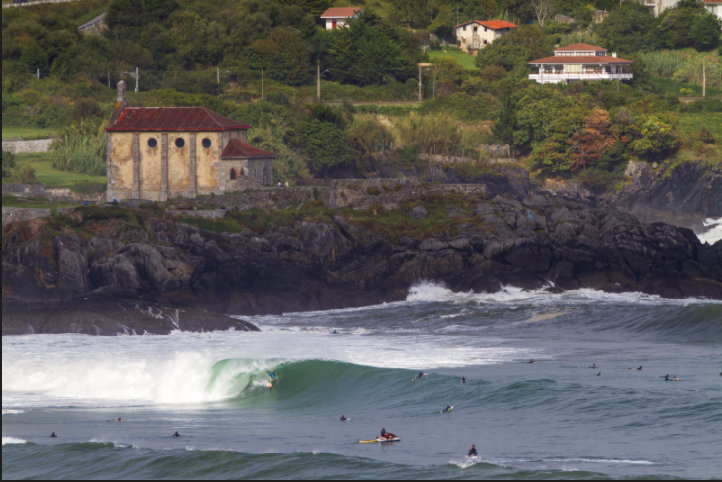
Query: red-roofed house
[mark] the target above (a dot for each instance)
(338, 17)
(580, 62)
(476, 34)
(158, 153)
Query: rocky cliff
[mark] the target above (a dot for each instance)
(683, 194)
(169, 270)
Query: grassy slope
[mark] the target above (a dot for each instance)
(464, 59)
(45, 173)
(16, 132)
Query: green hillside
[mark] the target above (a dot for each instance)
(257, 61)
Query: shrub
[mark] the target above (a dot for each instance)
(374, 191)
(706, 136)
(81, 148)
(8, 162)
(429, 133)
(25, 174)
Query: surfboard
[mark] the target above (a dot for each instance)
(444, 411)
(367, 441)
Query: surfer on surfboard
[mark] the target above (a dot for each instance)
(447, 409)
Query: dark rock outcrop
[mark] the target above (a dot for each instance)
(531, 243)
(682, 195)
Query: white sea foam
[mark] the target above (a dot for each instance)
(13, 412)
(13, 441)
(714, 234)
(434, 292)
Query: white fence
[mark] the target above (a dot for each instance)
(36, 2)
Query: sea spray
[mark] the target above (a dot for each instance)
(714, 233)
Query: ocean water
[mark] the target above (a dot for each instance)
(555, 419)
(713, 233)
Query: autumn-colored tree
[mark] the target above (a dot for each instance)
(591, 142)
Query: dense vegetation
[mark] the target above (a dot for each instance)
(212, 53)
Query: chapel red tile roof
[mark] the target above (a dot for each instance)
(240, 150)
(173, 119)
(582, 59)
(492, 24)
(580, 48)
(347, 12)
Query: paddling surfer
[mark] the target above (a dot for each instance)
(52, 435)
(463, 380)
(176, 435)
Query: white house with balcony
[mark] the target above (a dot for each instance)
(580, 62)
(338, 17)
(477, 34)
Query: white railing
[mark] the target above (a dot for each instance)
(580, 76)
(36, 2)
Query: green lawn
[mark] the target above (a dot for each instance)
(45, 173)
(690, 123)
(16, 132)
(464, 59)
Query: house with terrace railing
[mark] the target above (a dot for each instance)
(580, 62)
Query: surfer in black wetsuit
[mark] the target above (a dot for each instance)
(599, 374)
(53, 435)
(532, 361)
(176, 435)
(640, 368)
(343, 418)
(594, 365)
(472, 452)
(448, 409)
(666, 378)
(421, 375)
(463, 380)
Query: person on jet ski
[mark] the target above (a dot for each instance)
(383, 432)
(472, 452)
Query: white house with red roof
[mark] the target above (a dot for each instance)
(476, 34)
(338, 17)
(580, 62)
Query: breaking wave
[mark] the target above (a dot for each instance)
(714, 234)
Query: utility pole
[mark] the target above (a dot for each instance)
(38, 76)
(218, 75)
(137, 79)
(421, 72)
(109, 78)
(433, 86)
(704, 78)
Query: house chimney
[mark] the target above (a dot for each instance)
(121, 92)
(614, 54)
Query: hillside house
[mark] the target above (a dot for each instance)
(714, 7)
(476, 34)
(338, 17)
(580, 62)
(159, 153)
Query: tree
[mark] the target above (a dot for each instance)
(325, 145)
(542, 10)
(592, 141)
(504, 127)
(627, 29)
(313, 7)
(407, 11)
(513, 51)
(654, 138)
(706, 32)
(8, 163)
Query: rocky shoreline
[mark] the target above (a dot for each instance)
(105, 286)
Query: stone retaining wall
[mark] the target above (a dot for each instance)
(23, 214)
(24, 147)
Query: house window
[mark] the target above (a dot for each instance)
(476, 29)
(572, 69)
(179, 143)
(233, 174)
(206, 143)
(463, 28)
(486, 29)
(484, 41)
(152, 143)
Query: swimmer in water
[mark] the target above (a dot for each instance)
(343, 418)
(176, 435)
(532, 361)
(53, 435)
